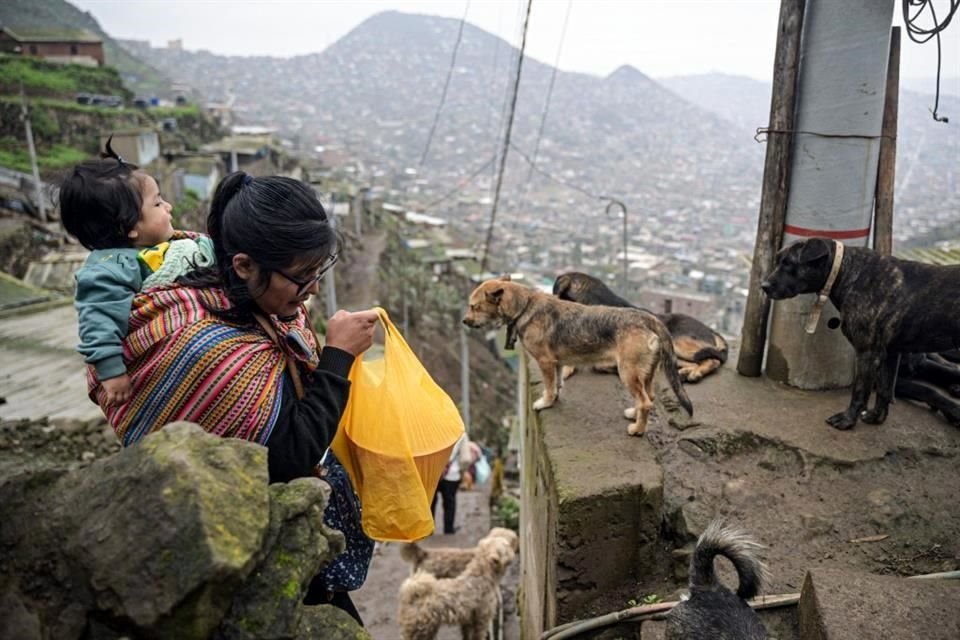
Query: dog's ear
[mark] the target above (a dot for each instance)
(505, 277)
(495, 296)
(560, 285)
(814, 249)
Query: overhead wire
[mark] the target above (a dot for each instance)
(559, 181)
(514, 53)
(463, 183)
(506, 139)
(546, 103)
(921, 35)
(446, 85)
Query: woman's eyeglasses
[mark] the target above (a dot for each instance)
(303, 285)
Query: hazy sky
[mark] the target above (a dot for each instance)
(659, 37)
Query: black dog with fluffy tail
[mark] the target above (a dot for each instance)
(713, 612)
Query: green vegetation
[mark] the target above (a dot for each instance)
(63, 105)
(650, 598)
(186, 208)
(61, 15)
(40, 77)
(13, 154)
(189, 110)
(506, 512)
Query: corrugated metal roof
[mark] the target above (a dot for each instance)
(931, 255)
(53, 35)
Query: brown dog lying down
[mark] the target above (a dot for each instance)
(700, 350)
(449, 562)
(556, 333)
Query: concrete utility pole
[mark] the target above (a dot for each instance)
(465, 377)
(833, 177)
(626, 257)
(38, 194)
(331, 278)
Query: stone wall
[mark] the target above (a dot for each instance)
(591, 505)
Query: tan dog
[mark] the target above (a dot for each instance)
(556, 333)
(449, 562)
(471, 601)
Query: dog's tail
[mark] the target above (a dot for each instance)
(412, 553)
(738, 548)
(668, 360)
(718, 352)
(416, 587)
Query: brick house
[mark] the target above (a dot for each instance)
(76, 46)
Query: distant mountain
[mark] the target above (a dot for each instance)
(741, 100)
(141, 78)
(927, 174)
(378, 88)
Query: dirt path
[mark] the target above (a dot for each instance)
(377, 599)
(359, 283)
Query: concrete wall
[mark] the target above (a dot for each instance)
(591, 501)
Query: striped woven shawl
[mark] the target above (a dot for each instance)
(186, 363)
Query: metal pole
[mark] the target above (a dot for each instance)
(331, 278)
(358, 213)
(33, 155)
(465, 377)
(626, 260)
(840, 91)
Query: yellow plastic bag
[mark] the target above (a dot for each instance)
(394, 440)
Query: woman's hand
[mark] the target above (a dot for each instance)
(351, 332)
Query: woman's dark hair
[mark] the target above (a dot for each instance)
(100, 201)
(275, 220)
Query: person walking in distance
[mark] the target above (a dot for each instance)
(460, 459)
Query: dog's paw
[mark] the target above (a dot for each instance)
(542, 403)
(567, 371)
(953, 417)
(635, 429)
(874, 416)
(630, 413)
(841, 421)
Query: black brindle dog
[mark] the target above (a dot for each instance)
(700, 350)
(888, 307)
(934, 379)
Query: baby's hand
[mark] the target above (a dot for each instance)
(118, 389)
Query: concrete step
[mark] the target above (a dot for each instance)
(837, 604)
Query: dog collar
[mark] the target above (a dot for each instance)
(814, 318)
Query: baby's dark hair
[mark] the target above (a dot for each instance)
(276, 221)
(100, 201)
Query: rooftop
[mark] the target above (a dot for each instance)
(52, 35)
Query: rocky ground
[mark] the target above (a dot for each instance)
(43, 444)
(879, 499)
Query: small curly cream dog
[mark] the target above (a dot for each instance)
(470, 601)
(448, 562)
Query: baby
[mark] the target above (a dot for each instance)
(117, 211)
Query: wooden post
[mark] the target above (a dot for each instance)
(776, 177)
(886, 168)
